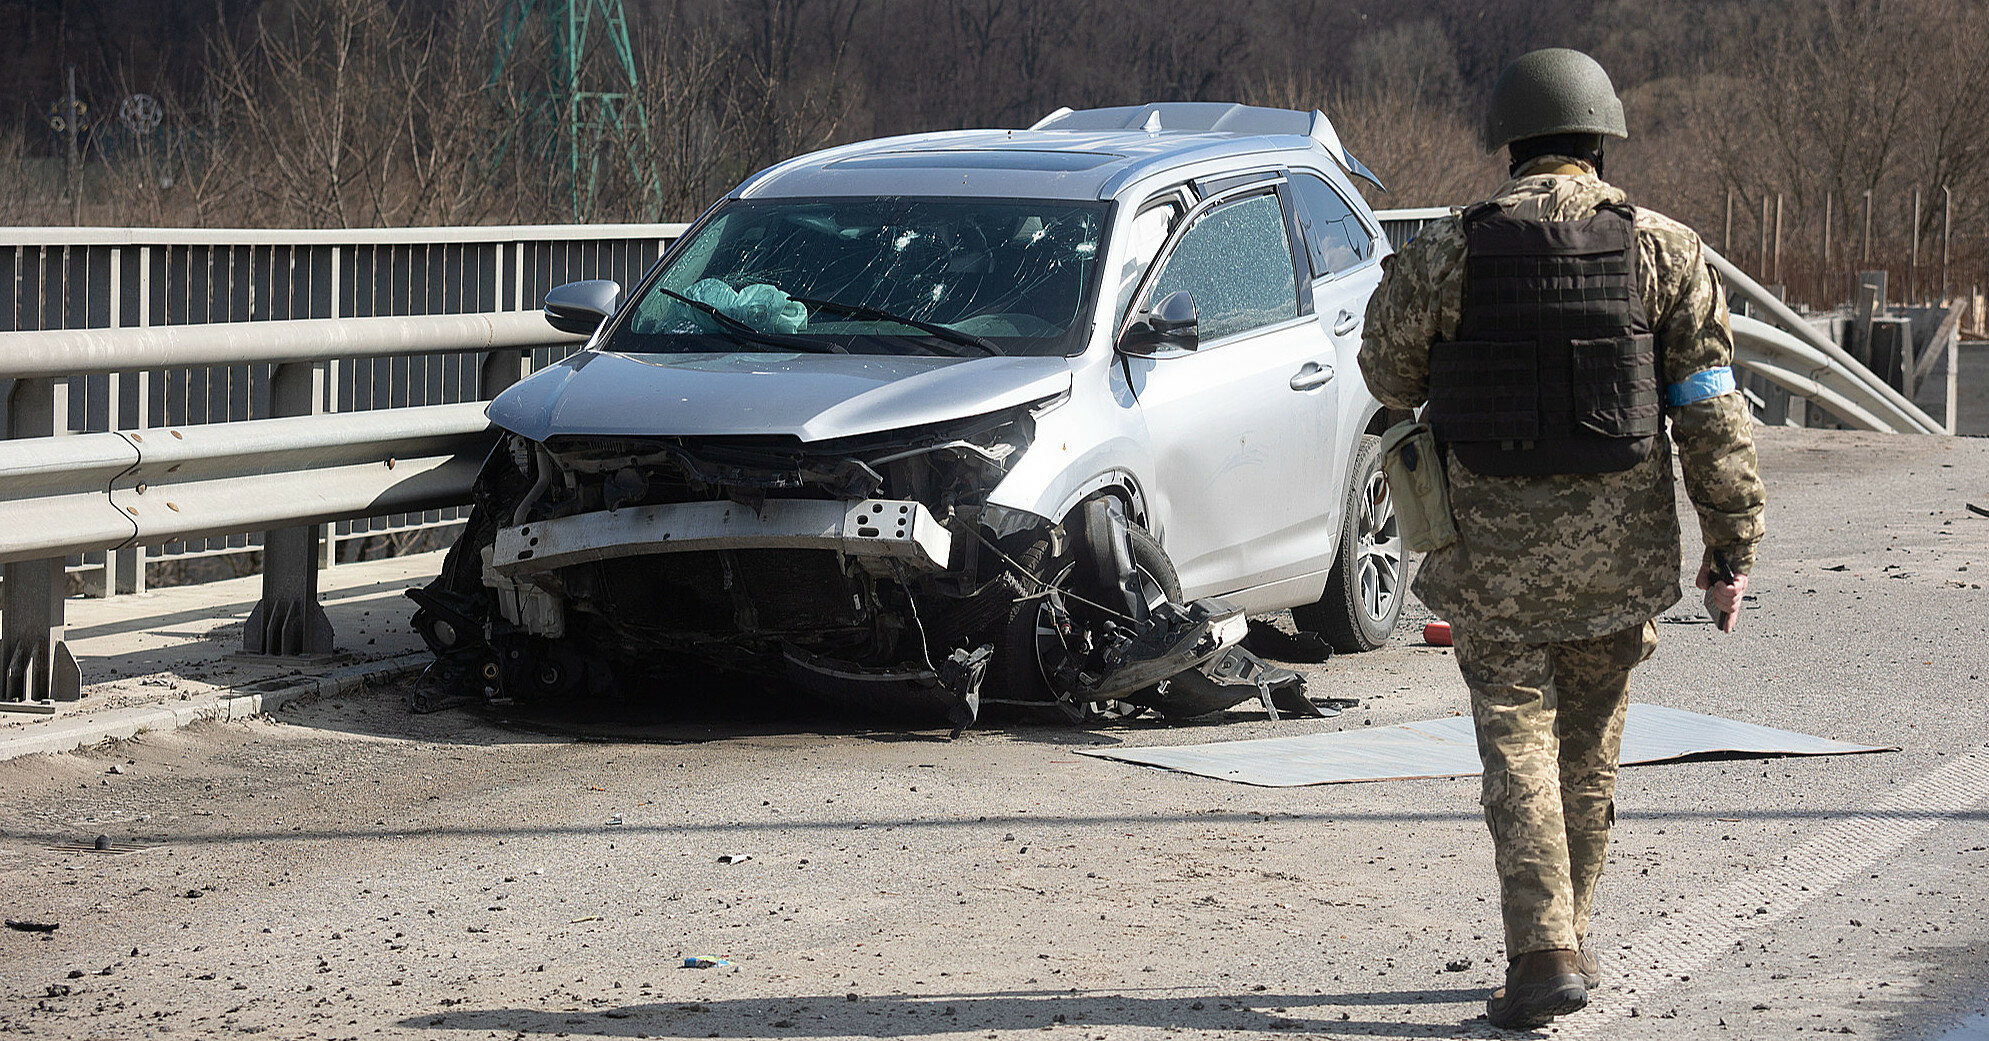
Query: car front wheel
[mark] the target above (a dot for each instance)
(1036, 638)
(1363, 597)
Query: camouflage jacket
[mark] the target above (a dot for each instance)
(1574, 556)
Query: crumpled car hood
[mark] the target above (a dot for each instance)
(814, 397)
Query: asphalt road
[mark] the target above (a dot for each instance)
(347, 870)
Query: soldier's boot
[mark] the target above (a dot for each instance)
(1589, 964)
(1539, 986)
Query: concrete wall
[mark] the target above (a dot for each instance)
(1973, 407)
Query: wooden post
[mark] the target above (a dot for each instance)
(1761, 257)
(1913, 255)
(1947, 228)
(1726, 240)
(1954, 384)
(1828, 198)
(1865, 251)
(1778, 238)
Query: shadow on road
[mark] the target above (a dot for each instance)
(1337, 815)
(1256, 1014)
(734, 708)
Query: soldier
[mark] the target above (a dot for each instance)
(1552, 330)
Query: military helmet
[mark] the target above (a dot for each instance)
(1552, 91)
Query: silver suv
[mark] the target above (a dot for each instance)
(1027, 416)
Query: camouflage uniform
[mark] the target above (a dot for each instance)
(1553, 581)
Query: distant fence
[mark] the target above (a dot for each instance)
(124, 278)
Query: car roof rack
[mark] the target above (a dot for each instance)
(1213, 117)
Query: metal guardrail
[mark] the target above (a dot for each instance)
(121, 278)
(108, 491)
(227, 380)
(115, 491)
(292, 459)
(1786, 350)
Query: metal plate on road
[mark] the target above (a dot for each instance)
(1447, 748)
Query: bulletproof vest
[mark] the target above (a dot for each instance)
(1554, 368)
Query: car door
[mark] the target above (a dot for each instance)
(1239, 428)
(1340, 249)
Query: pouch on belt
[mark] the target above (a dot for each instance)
(1415, 476)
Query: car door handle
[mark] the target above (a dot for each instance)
(1346, 323)
(1312, 375)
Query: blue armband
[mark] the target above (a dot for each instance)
(1700, 386)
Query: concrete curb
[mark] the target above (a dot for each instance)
(59, 735)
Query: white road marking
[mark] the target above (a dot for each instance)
(1688, 939)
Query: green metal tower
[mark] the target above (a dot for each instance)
(585, 115)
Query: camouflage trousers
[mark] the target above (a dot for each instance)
(1550, 726)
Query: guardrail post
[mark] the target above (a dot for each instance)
(288, 619)
(36, 668)
(500, 369)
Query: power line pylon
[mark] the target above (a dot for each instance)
(585, 115)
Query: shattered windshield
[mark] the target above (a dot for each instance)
(965, 277)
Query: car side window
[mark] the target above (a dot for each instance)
(1236, 261)
(1333, 234)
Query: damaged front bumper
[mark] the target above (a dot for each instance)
(883, 581)
(879, 531)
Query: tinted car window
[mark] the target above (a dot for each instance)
(1015, 274)
(1236, 261)
(1333, 235)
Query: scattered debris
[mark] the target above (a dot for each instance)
(704, 961)
(1437, 634)
(735, 858)
(1979, 511)
(33, 927)
(1459, 965)
(100, 844)
(1838, 567)
(1268, 641)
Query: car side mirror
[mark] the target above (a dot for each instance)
(1169, 325)
(581, 307)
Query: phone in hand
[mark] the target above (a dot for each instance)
(1722, 573)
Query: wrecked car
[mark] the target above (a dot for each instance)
(923, 423)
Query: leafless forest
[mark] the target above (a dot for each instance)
(1753, 120)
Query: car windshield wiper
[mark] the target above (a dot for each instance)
(746, 333)
(879, 315)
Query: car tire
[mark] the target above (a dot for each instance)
(1364, 593)
(1018, 671)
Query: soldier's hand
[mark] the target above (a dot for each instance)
(1722, 598)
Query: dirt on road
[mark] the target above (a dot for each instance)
(349, 870)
